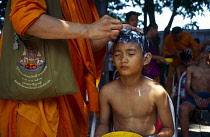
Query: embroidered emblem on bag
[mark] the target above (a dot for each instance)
(31, 60)
(32, 81)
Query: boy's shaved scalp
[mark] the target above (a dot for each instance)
(126, 35)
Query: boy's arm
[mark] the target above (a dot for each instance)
(165, 115)
(105, 112)
(188, 81)
(178, 72)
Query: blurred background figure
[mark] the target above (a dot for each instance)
(173, 45)
(152, 70)
(132, 18)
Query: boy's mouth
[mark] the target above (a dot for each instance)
(123, 67)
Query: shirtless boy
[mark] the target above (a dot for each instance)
(133, 101)
(198, 88)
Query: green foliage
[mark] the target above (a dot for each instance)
(115, 5)
(185, 8)
(3, 4)
(192, 25)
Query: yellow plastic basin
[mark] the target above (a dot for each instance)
(121, 134)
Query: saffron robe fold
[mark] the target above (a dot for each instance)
(63, 116)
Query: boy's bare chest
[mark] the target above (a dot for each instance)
(132, 105)
(200, 80)
(202, 74)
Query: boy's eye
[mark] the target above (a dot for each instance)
(117, 54)
(131, 53)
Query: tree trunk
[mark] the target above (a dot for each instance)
(145, 10)
(151, 10)
(167, 29)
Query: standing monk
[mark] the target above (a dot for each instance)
(63, 116)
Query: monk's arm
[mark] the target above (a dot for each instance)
(48, 27)
(105, 114)
(194, 44)
(31, 18)
(166, 47)
(160, 59)
(165, 115)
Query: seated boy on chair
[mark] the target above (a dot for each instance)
(133, 101)
(198, 88)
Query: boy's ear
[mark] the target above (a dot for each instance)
(147, 58)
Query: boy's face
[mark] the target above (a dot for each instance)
(187, 63)
(204, 54)
(128, 59)
(133, 20)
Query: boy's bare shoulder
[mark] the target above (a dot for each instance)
(156, 88)
(192, 67)
(110, 87)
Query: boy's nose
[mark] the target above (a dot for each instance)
(124, 59)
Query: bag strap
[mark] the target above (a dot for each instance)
(54, 8)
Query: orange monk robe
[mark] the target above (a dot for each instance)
(170, 46)
(64, 116)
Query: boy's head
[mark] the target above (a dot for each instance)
(204, 55)
(186, 58)
(130, 52)
(152, 29)
(128, 36)
(132, 18)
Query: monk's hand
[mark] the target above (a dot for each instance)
(106, 27)
(178, 53)
(189, 50)
(161, 60)
(132, 28)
